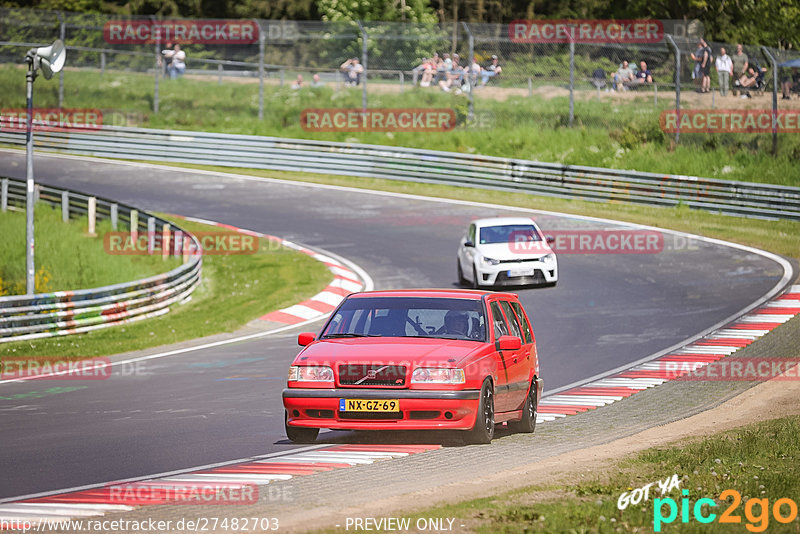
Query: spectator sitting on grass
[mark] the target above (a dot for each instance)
(352, 70)
(790, 81)
(643, 76)
(623, 76)
(490, 70)
(315, 81)
(298, 84)
(427, 68)
(453, 76)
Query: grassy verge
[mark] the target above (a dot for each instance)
(234, 290)
(607, 133)
(706, 467)
(66, 256)
(780, 237)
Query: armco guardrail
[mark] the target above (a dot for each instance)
(69, 312)
(428, 166)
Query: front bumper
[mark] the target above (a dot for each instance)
(517, 273)
(419, 409)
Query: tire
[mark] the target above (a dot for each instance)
(475, 283)
(483, 430)
(300, 434)
(461, 280)
(527, 425)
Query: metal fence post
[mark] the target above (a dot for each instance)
(571, 79)
(677, 52)
(65, 206)
(92, 213)
(470, 56)
(178, 244)
(4, 194)
(158, 71)
(774, 63)
(165, 241)
(134, 225)
(261, 40)
(102, 63)
(114, 215)
(62, 35)
(364, 63)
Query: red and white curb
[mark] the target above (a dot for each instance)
(714, 346)
(345, 281)
(118, 497)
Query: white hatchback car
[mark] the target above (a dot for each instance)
(505, 251)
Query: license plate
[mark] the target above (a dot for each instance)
(521, 272)
(363, 405)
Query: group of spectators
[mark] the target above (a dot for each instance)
(174, 61)
(627, 78)
(448, 72)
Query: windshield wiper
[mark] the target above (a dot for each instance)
(348, 334)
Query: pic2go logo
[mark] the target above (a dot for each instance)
(758, 520)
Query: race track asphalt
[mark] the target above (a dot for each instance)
(223, 403)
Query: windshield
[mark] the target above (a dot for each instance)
(509, 233)
(408, 317)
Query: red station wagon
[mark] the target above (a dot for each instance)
(417, 359)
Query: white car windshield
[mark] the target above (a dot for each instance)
(445, 318)
(508, 233)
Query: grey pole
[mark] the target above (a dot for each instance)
(158, 70)
(471, 40)
(364, 63)
(62, 33)
(677, 52)
(261, 39)
(571, 79)
(774, 63)
(30, 281)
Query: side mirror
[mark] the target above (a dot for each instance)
(509, 343)
(550, 239)
(469, 244)
(306, 338)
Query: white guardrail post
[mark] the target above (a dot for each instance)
(24, 317)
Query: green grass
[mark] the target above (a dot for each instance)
(758, 460)
(234, 290)
(606, 133)
(66, 256)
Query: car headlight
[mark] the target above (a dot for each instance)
(309, 373)
(491, 261)
(548, 257)
(436, 375)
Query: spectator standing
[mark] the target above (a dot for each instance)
(315, 81)
(740, 62)
(298, 84)
(790, 81)
(623, 76)
(177, 65)
(724, 67)
(352, 70)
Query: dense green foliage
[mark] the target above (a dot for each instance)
(770, 22)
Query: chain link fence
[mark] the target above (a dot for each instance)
(541, 85)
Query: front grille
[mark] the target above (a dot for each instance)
(424, 414)
(372, 375)
(504, 279)
(519, 260)
(370, 415)
(320, 414)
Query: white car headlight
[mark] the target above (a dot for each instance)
(308, 373)
(436, 375)
(548, 257)
(491, 261)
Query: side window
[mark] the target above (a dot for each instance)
(498, 323)
(526, 328)
(471, 233)
(512, 319)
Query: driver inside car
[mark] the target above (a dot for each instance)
(456, 323)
